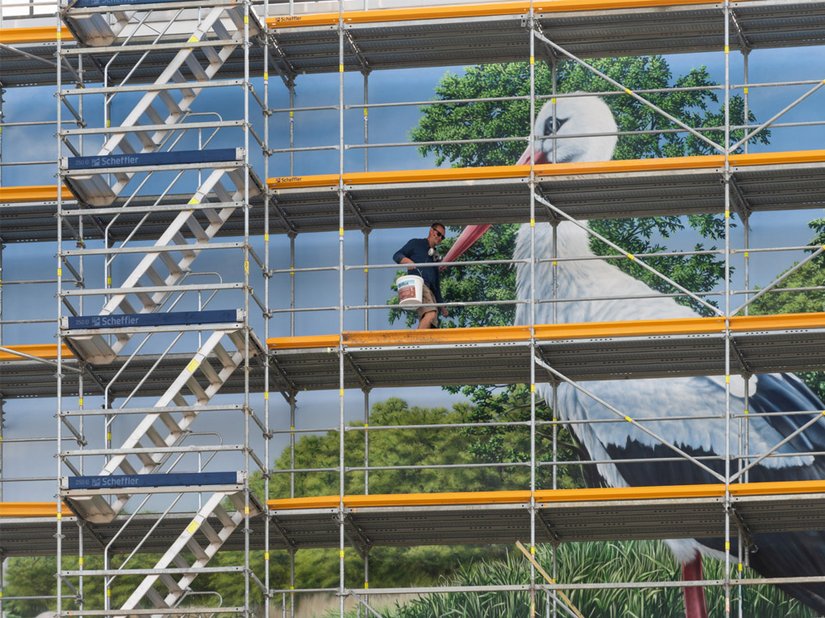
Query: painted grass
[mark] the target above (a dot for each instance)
(614, 562)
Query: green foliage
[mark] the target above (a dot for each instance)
(407, 447)
(35, 576)
(809, 275)
(602, 562)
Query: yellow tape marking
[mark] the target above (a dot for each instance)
(266, 395)
(59, 272)
(628, 419)
(532, 222)
(193, 39)
(80, 402)
(630, 256)
(340, 68)
(341, 554)
(266, 75)
(532, 60)
(266, 555)
(746, 90)
(194, 201)
(341, 232)
(193, 365)
(727, 379)
(193, 527)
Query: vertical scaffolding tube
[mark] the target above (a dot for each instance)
(341, 421)
(726, 172)
(247, 85)
(532, 315)
(59, 292)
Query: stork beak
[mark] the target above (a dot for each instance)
(472, 233)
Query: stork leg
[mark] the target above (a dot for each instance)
(694, 595)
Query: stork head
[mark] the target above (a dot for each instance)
(574, 129)
(557, 125)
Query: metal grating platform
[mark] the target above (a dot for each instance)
(563, 516)
(686, 511)
(470, 34)
(27, 378)
(27, 536)
(610, 351)
(457, 196)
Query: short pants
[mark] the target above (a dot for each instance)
(427, 300)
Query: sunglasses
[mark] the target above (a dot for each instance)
(437, 233)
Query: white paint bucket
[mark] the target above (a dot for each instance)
(410, 290)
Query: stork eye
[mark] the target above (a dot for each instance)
(548, 125)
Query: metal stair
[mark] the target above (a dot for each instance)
(161, 109)
(211, 366)
(167, 263)
(138, 304)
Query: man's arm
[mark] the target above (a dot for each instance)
(402, 256)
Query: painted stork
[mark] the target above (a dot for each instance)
(772, 555)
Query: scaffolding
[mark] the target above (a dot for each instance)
(180, 198)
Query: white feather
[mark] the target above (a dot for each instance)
(587, 278)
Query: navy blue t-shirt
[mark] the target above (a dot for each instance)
(417, 250)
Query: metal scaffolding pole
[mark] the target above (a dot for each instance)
(727, 272)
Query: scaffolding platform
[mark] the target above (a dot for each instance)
(28, 530)
(680, 511)
(473, 33)
(458, 196)
(588, 351)
(482, 32)
(608, 189)
(22, 377)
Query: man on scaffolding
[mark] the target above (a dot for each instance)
(423, 251)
